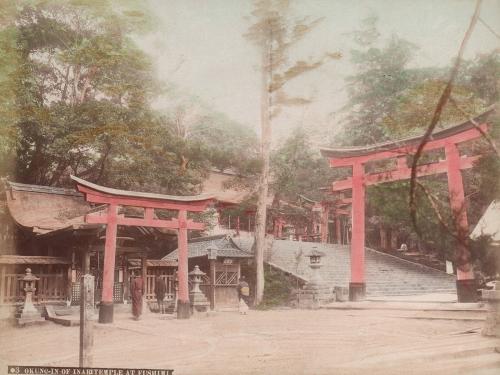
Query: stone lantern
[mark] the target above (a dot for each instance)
(29, 314)
(315, 263)
(492, 323)
(315, 292)
(199, 302)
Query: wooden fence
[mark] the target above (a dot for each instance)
(50, 288)
(150, 287)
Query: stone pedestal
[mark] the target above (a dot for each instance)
(315, 293)
(29, 314)
(313, 296)
(198, 300)
(492, 324)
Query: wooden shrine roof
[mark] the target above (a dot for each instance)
(137, 194)
(197, 247)
(153, 263)
(342, 152)
(24, 259)
(45, 209)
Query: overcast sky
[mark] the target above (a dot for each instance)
(200, 48)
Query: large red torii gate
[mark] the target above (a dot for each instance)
(357, 157)
(149, 202)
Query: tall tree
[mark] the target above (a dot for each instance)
(274, 31)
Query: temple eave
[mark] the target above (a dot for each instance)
(141, 195)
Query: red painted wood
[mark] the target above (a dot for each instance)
(405, 173)
(97, 197)
(138, 222)
(324, 223)
(338, 234)
(182, 244)
(452, 166)
(109, 254)
(410, 149)
(358, 225)
(149, 213)
(458, 206)
(112, 219)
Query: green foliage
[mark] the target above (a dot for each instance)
(485, 257)
(75, 98)
(297, 172)
(277, 289)
(297, 169)
(388, 100)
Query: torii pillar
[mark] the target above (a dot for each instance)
(114, 198)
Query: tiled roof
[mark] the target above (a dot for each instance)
(44, 208)
(224, 243)
(385, 274)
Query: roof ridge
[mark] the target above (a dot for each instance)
(18, 186)
(207, 238)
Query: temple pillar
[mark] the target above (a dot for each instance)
(357, 286)
(324, 223)
(466, 285)
(338, 229)
(183, 303)
(108, 278)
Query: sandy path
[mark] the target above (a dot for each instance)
(266, 342)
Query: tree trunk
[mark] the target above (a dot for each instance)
(394, 239)
(383, 238)
(260, 217)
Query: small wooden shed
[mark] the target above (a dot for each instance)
(230, 264)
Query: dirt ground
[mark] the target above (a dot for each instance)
(267, 342)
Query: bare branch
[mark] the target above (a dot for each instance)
(437, 114)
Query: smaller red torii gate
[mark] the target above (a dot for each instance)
(114, 198)
(357, 157)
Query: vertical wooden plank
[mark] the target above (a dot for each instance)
(86, 320)
(69, 282)
(9, 287)
(2, 284)
(126, 291)
(108, 278)
(183, 304)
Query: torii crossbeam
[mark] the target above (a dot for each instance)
(357, 157)
(114, 198)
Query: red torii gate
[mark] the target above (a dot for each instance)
(338, 209)
(357, 157)
(149, 202)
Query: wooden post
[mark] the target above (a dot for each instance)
(466, 286)
(338, 229)
(183, 304)
(325, 213)
(108, 277)
(69, 284)
(212, 284)
(86, 262)
(2, 284)
(144, 272)
(86, 320)
(357, 285)
(126, 280)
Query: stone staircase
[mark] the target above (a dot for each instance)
(385, 274)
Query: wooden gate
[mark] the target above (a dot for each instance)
(151, 283)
